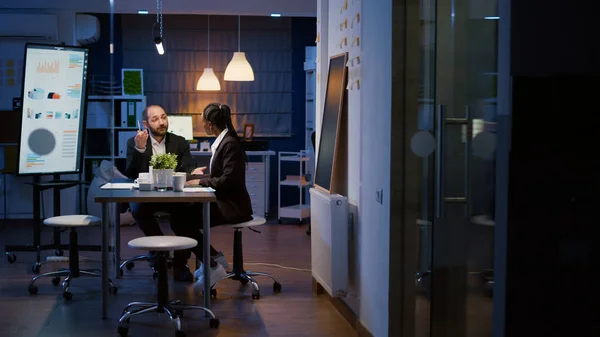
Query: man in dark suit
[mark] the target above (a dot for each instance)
(156, 140)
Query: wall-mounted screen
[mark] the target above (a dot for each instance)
(54, 106)
(330, 127)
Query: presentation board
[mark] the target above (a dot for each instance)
(181, 125)
(54, 109)
(330, 126)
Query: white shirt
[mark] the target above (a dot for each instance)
(157, 148)
(215, 145)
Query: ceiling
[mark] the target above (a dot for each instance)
(305, 8)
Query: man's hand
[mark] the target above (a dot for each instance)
(193, 182)
(199, 170)
(141, 138)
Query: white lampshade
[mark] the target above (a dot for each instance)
(239, 69)
(208, 81)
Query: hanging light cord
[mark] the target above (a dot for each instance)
(208, 42)
(239, 34)
(159, 17)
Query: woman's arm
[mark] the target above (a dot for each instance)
(233, 168)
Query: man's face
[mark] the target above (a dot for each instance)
(157, 122)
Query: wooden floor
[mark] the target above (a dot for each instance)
(293, 312)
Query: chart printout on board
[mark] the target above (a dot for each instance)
(53, 108)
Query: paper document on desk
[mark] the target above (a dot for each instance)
(198, 189)
(117, 186)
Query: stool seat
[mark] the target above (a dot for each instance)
(80, 220)
(162, 243)
(256, 221)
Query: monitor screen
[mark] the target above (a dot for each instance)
(181, 125)
(54, 106)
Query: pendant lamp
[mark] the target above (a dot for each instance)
(208, 81)
(238, 68)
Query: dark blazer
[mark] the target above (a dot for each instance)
(139, 162)
(228, 178)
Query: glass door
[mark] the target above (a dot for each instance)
(455, 140)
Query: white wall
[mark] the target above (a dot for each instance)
(369, 136)
(19, 194)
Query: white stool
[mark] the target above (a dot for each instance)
(72, 221)
(162, 245)
(238, 273)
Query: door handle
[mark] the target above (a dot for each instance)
(439, 159)
(441, 121)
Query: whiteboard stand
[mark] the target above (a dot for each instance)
(301, 210)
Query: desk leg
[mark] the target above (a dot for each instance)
(104, 252)
(267, 161)
(206, 253)
(117, 241)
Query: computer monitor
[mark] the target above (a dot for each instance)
(182, 125)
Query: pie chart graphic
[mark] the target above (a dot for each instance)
(41, 141)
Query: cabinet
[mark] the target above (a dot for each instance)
(257, 177)
(298, 182)
(110, 122)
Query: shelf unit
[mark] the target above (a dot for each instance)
(301, 210)
(111, 120)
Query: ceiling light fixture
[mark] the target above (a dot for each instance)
(239, 69)
(208, 81)
(275, 15)
(143, 11)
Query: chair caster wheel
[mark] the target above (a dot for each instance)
(179, 313)
(122, 331)
(255, 295)
(56, 280)
(213, 293)
(33, 290)
(179, 333)
(214, 323)
(130, 265)
(59, 252)
(113, 290)
(36, 268)
(67, 296)
(12, 258)
(244, 281)
(277, 287)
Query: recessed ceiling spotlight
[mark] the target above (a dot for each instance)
(143, 11)
(275, 15)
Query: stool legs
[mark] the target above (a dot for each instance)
(69, 273)
(239, 274)
(174, 309)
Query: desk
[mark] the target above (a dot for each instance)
(117, 196)
(257, 178)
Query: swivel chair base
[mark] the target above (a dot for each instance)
(69, 273)
(174, 309)
(238, 273)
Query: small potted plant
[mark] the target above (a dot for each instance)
(163, 167)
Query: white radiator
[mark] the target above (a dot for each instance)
(329, 241)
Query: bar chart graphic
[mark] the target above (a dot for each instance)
(74, 91)
(33, 160)
(69, 141)
(75, 61)
(48, 67)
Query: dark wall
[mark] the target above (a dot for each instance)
(554, 171)
(99, 64)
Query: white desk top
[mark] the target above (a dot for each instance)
(248, 153)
